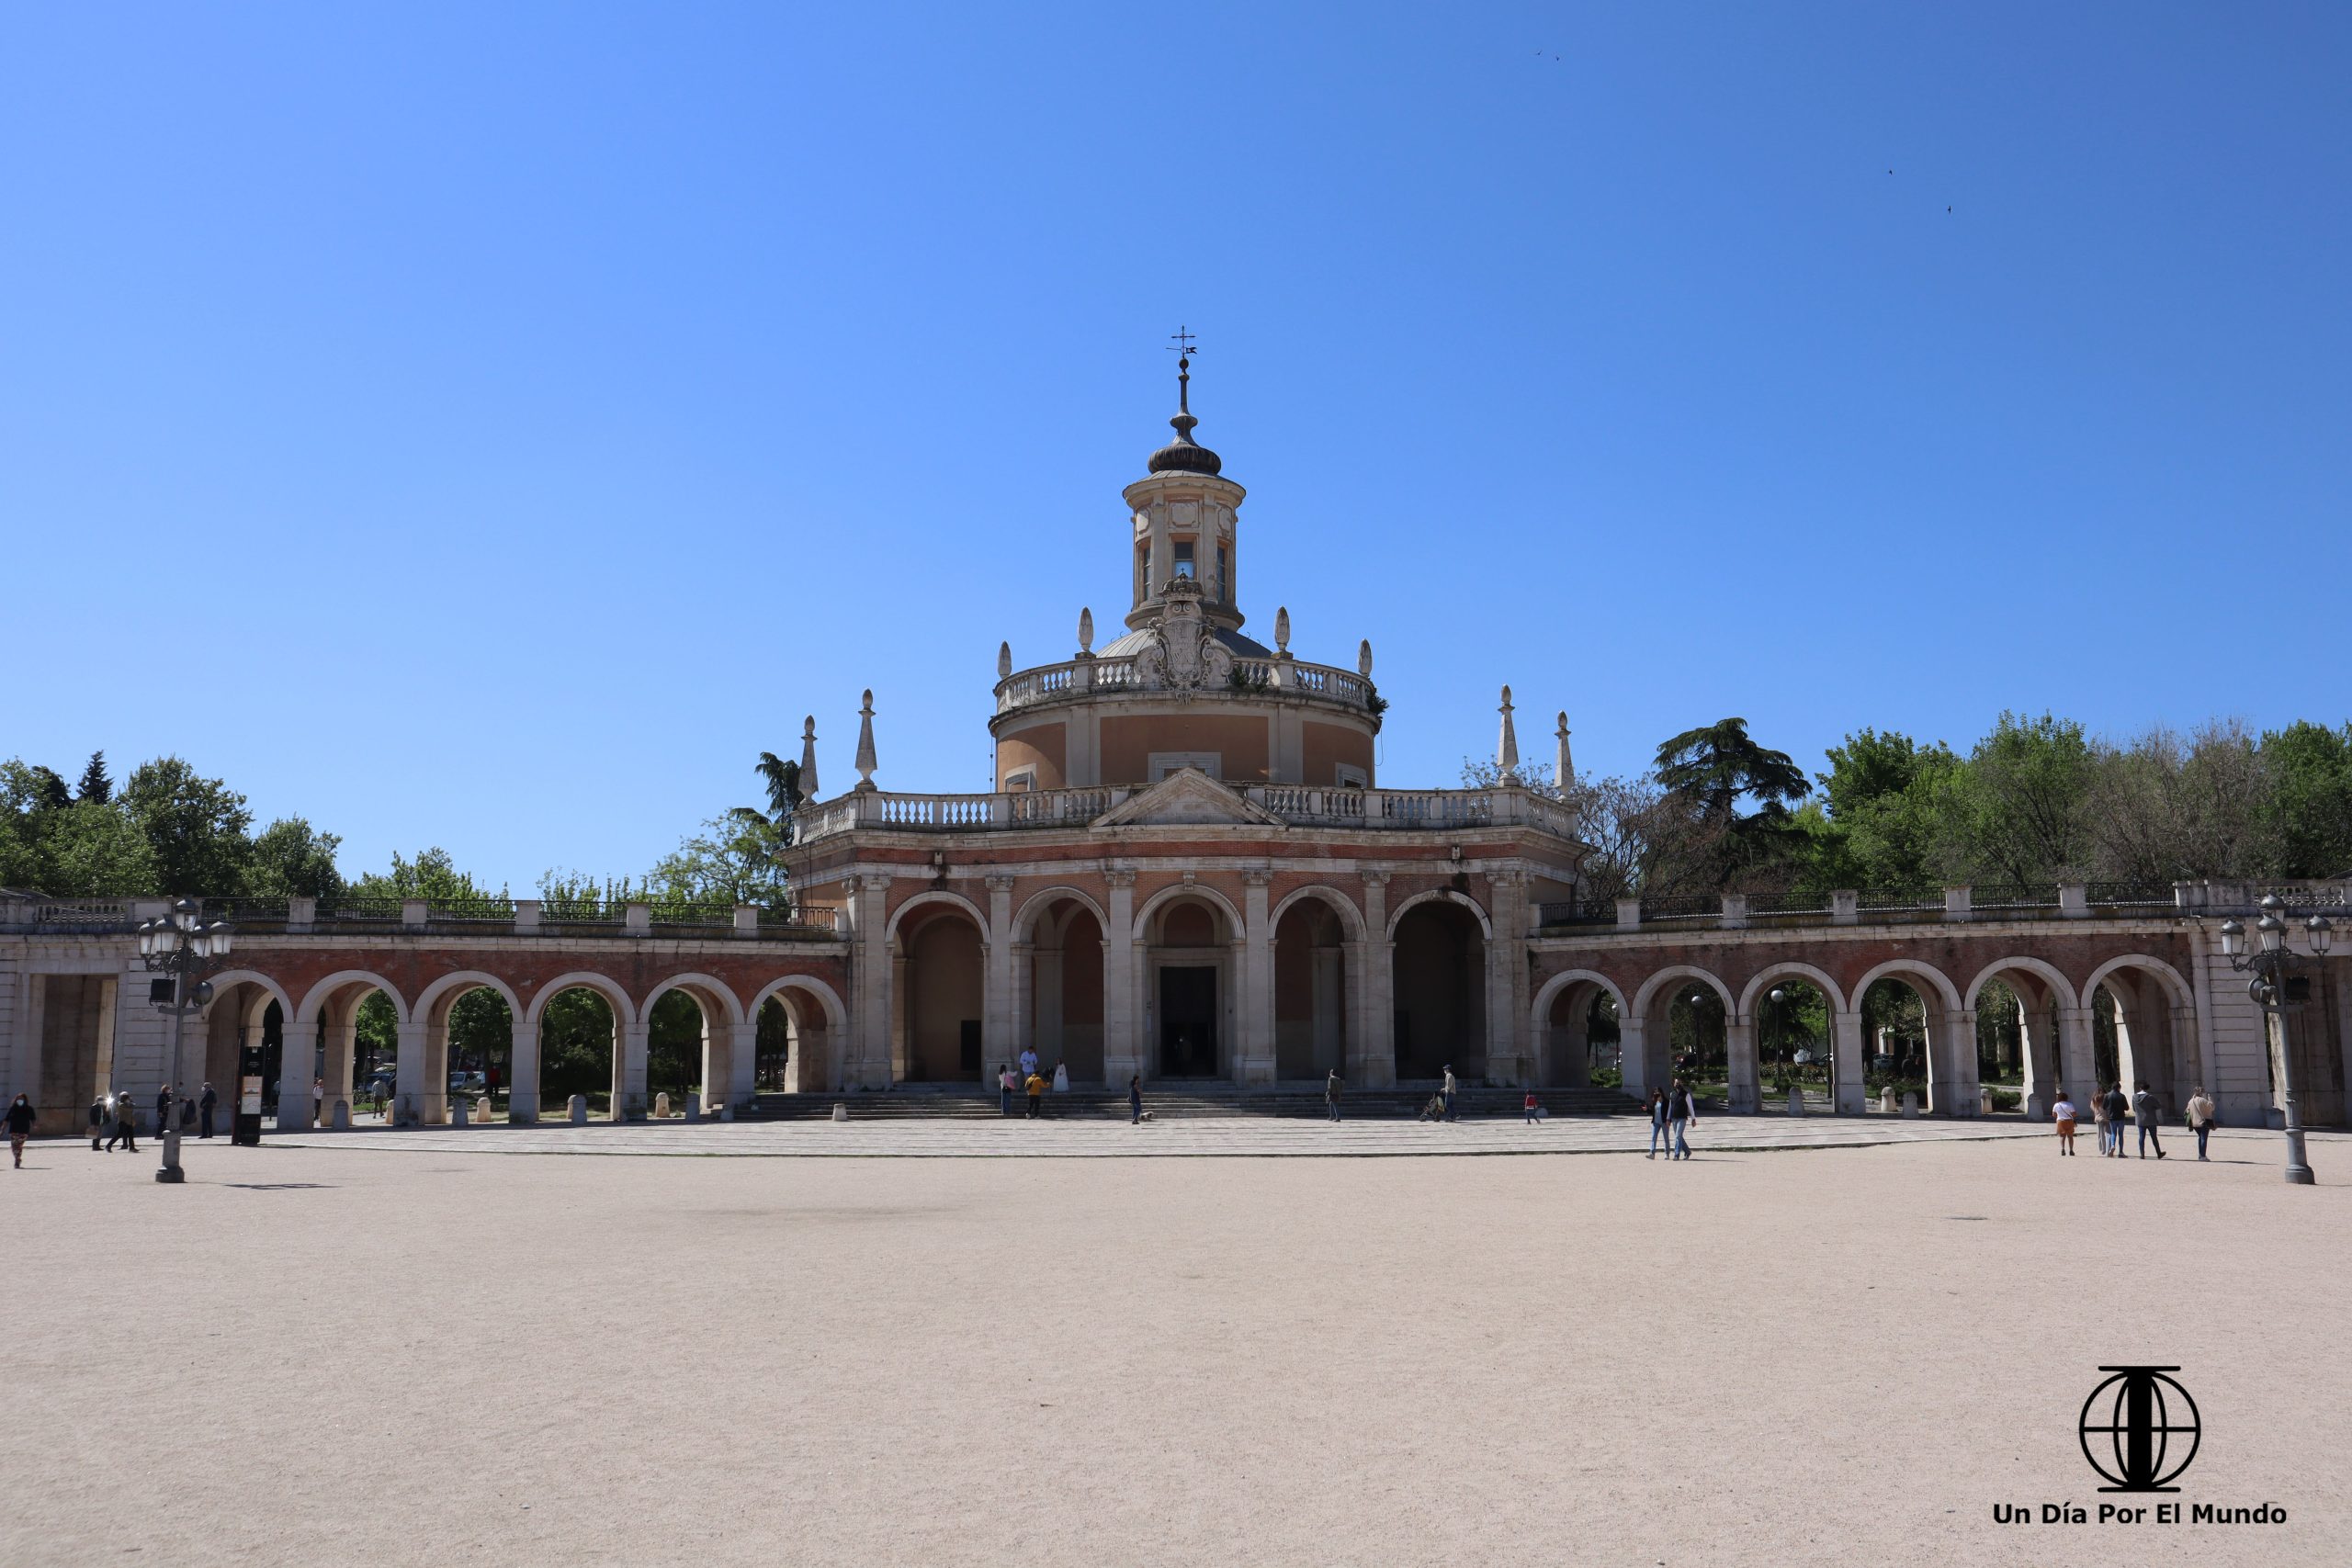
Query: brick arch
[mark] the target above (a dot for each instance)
(1176, 890)
(1350, 917)
(2062, 989)
(937, 895)
(272, 989)
(1446, 896)
(454, 986)
(828, 999)
(1786, 969)
(605, 985)
(731, 1010)
(316, 998)
(1644, 997)
(1038, 904)
(1910, 969)
(2178, 987)
(1539, 1013)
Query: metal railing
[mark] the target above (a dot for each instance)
(1577, 912)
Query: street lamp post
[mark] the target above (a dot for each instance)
(182, 946)
(2272, 963)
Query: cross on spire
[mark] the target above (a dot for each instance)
(1181, 344)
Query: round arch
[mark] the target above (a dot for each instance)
(274, 992)
(2062, 989)
(2174, 982)
(1910, 969)
(307, 1015)
(1174, 891)
(827, 998)
(466, 980)
(732, 1009)
(1350, 917)
(1033, 909)
(1790, 968)
(1540, 1014)
(937, 895)
(605, 985)
(1658, 982)
(1447, 896)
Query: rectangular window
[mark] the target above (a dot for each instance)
(1183, 557)
(1350, 777)
(1217, 588)
(1162, 763)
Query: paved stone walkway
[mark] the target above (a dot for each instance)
(1191, 1136)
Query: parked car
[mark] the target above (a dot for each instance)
(467, 1083)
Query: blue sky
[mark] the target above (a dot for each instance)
(528, 413)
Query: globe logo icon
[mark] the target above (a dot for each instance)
(2140, 1430)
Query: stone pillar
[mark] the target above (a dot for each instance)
(2041, 1056)
(743, 1062)
(1846, 1031)
(1373, 1045)
(867, 1054)
(2076, 1070)
(408, 1077)
(1739, 1045)
(1510, 1053)
(629, 1102)
(1000, 1039)
(522, 1070)
(432, 1095)
(1633, 1057)
(1255, 1060)
(1956, 1088)
(1123, 1053)
(902, 1024)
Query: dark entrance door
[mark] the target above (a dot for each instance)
(1188, 1022)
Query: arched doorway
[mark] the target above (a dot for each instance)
(1190, 967)
(941, 988)
(1581, 1034)
(1912, 1041)
(2020, 1007)
(1061, 1016)
(344, 1016)
(579, 1052)
(795, 1039)
(1794, 1044)
(1311, 982)
(1440, 992)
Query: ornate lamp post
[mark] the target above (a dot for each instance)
(2272, 965)
(184, 947)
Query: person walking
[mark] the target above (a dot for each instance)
(1037, 1087)
(1005, 1088)
(1658, 1122)
(2145, 1114)
(318, 1101)
(1448, 1091)
(162, 1110)
(1135, 1100)
(1680, 1111)
(2061, 1111)
(205, 1104)
(2098, 1117)
(126, 1125)
(2117, 1109)
(1333, 1086)
(1532, 1110)
(20, 1117)
(97, 1121)
(2199, 1111)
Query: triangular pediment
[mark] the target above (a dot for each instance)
(1188, 799)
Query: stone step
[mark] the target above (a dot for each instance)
(959, 1102)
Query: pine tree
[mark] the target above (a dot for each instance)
(95, 786)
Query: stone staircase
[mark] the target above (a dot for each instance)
(1183, 1099)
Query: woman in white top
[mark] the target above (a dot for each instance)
(2063, 1114)
(2199, 1111)
(1061, 1077)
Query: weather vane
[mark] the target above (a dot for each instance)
(1180, 345)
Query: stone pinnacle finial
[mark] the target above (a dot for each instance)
(1282, 629)
(1507, 748)
(1003, 659)
(1564, 771)
(1363, 659)
(808, 758)
(1086, 631)
(865, 763)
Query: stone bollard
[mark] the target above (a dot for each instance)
(482, 1109)
(1910, 1103)
(662, 1105)
(1985, 1102)
(458, 1112)
(578, 1109)
(1796, 1102)
(840, 1112)
(342, 1118)
(1886, 1100)
(727, 1113)
(694, 1107)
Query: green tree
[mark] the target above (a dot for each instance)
(481, 1034)
(2019, 813)
(432, 874)
(674, 1045)
(95, 784)
(1715, 767)
(2305, 820)
(1886, 798)
(733, 859)
(289, 859)
(90, 849)
(576, 1045)
(195, 826)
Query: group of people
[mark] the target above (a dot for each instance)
(113, 1120)
(1029, 1082)
(2108, 1108)
(1673, 1110)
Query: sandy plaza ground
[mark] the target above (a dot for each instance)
(419, 1349)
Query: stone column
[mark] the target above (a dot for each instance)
(2076, 1067)
(1125, 1052)
(1510, 1053)
(629, 1099)
(865, 1056)
(1958, 1087)
(522, 1069)
(1374, 1044)
(743, 1062)
(902, 1024)
(1739, 1047)
(1257, 1054)
(1633, 1057)
(1845, 1033)
(408, 1077)
(1000, 1039)
(433, 1098)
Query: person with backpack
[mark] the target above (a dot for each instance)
(2147, 1113)
(20, 1118)
(1680, 1111)
(1533, 1110)
(1332, 1088)
(2199, 1111)
(1658, 1122)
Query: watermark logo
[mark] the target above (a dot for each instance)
(2140, 1430)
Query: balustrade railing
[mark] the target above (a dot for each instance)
(1050, 682)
